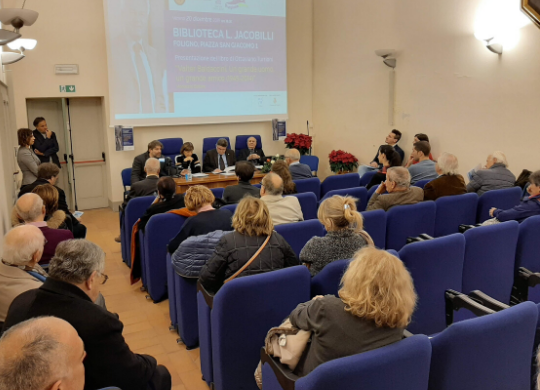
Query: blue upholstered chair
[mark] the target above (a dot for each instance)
(230, 207)
(312, 161)
(308, 203)
(339, 182)
(375, 225)
(501, 199)
(134, 210)
(400, 366)
(298, 233)
(527, 254)
(371, 191)
(241, 143)
(422, 183)
(491, 352)
(185, 307)
(39, 277)
(359, 193)
(366, 178)
(453, 211)
(171, 147)
(218, 192)
(409, 221)
(210, 143)
(327, 281)
(171, 292)
(309, 185)
(126, 180)
(435, 266)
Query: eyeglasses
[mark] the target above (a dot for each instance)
(105, 278)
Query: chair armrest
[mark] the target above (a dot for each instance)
(407, 334)
(523, 280)
(209, 298)
(284, 375)
(487, 301)
(456, 300)
(421, 237)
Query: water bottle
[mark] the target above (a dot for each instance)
(189, 176)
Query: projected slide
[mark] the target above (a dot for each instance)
(196, 61)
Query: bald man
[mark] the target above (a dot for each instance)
(23, 247)
(49, 345)
(252, 153)
(282, 209)
(148, 186)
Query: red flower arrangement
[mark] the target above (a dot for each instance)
(342, 161)
(301, 142)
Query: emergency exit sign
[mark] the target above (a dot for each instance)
(67, 88)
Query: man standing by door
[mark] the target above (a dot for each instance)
(45, 145)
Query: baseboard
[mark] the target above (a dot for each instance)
(114, 206)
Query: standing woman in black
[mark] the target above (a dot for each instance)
(188, 159)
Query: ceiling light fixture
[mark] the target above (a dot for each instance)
(11, 57)
(23, 44)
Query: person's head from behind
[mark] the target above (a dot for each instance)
(23, 246)
(447, 164)
(397, 179)
(136, 13)
(388, 157)
(49, 194)
(252, 143)
(497, 157)
(25, 137)
(421, 150)
(534, 186)
(155, 148)
(252, 218)
(393, 137)
(166, 188)
(30, 208)
(420, 137)
(40, 124)
(340, 213)
(376, 286)
(282, 169)
(272, 184)
(292, 156)
(198, 197)
(221, 146)
(42, 353)
(49, 172)
(244, 170)
(81, 263)
(152, 166)
(187, 149)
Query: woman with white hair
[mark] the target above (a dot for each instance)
(450, 182)
(496, 175)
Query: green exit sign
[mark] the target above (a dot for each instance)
(67, 88)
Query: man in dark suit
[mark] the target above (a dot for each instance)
(233, 194)
(75, 277)
(391, 139)
(298, 170)
(256, 156)
(45, 144)
(48, 174)
(220, 158)
(137, 171)
(148, 186)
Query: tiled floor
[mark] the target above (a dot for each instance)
(146, 325)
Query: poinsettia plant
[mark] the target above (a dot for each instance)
(301, 142)
(267, 166)
(342, 161)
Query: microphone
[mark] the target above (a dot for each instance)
(307, 127)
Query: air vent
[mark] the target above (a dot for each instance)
(66, 69)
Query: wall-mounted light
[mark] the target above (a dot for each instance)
(388, 57)
(11, 57)
(23, 44)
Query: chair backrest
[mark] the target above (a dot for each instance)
(366, 178)
(230, 207)
(527, 254)
(171, 147)
(241, 143)
(359, 193)
(400, 366)
(126, 178)
(422, 183)
(502, 199)
(312, 161)
(210, 143)
(338, 182)
(309, 185)
(308, 203)
(135, 209)
(409, 221)
(218, 192)
(243, 312)
(489, 352)
(327, 281)
(39, 277)
(453, 211)
(298, 233)
(490, 255)
(371, 191)
(375, 225)
(435, 266)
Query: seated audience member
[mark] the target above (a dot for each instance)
(450, 182)
(417, 138)
(424, 168)
(282, 209)
(147, 186)
(42, 353)
(48, 174)
(346, 235)
(495, 176)
(298, 170)
(252, 153)
(49, 195)
(138, 172)
(208, 219)
(220, 158)
(244, 171)
(31, 210)
(388, 157)
(168, 200)
(527, 208)
(400, 192)
(76, 274)
(253, 229)
(23, 247)
(281, 168)
(391, 139)
(187, 159)
(362, 318)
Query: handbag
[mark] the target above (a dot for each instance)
(250, 260)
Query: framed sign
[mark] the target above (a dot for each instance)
(532, 9)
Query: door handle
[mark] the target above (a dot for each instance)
(65, 158)
(103, 156)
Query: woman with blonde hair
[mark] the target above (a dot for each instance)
(253, 235)
(207, 220)
(376, 303)
(56, 219)
(282, 169)
(346, 234)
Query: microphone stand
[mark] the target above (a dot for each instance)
(308, 134)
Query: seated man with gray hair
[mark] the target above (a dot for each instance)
(400, 192)
(282, 209)
(495, 175)
(298, 170)
(75, 276)
(49, 346)
(450, 182)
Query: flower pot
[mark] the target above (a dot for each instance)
(342, 172)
